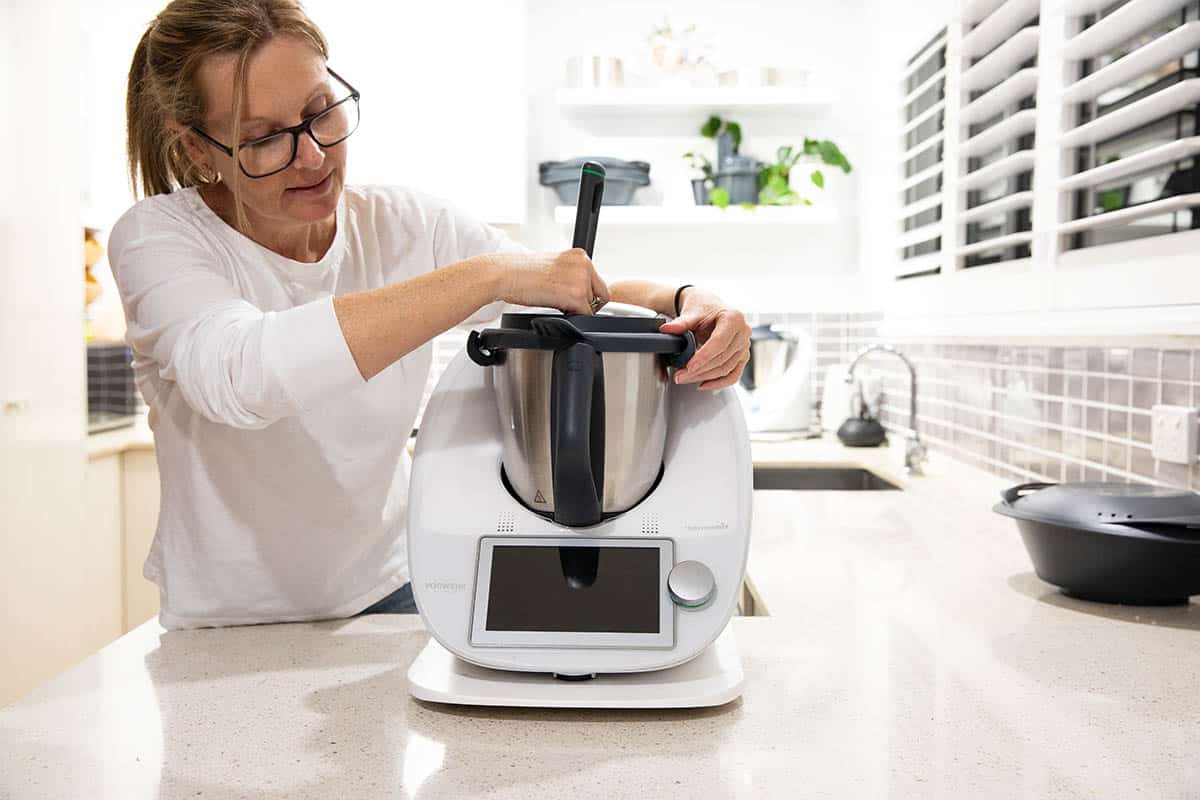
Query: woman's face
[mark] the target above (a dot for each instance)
(286, 82)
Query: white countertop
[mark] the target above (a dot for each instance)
(910, 652)
(137, 436)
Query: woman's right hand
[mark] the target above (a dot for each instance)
(567, 281)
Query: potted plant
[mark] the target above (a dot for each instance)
(728, 135)
(746, 181)
(736, 175)
(774, 180)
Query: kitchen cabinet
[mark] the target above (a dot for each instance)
(121, 517)
(98, 561)
(1048, 172)
(140, 502)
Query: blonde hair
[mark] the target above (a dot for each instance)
(163, 85)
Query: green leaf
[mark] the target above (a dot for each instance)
(775, 191)
(1112, 199)
(748, 205)
(719, 198)
(783, 154)
(710, 128)
(735, 131)
(811, 147)
(818, 178)
(769, 173)
(832, 156)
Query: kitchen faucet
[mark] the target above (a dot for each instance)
(914, 449)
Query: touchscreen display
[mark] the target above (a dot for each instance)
(574, 589)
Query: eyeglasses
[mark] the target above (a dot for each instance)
(275, 152)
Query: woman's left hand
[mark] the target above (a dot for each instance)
(722, 336)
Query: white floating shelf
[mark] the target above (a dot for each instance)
(656, 101)
(622, 216)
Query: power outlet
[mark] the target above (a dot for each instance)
(1174, 433)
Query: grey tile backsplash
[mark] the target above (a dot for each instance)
(1027, 413)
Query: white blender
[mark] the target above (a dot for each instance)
(578, 525)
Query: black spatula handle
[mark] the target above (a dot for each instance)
(587, 211)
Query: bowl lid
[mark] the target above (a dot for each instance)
(1094, 503)
(608, 161)
(604, 333)
(599, 323)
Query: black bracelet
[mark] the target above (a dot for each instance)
(679, 295)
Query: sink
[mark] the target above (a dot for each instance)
(840, 479)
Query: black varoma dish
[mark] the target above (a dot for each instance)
(1110, 542)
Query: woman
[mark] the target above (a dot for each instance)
(281, 322)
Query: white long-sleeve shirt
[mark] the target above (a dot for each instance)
(284, 474)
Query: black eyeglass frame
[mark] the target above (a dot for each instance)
(305, 126)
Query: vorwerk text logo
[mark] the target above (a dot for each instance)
(445, 586)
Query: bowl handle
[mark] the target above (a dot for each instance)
(1012, 495)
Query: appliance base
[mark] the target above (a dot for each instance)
(712, 678)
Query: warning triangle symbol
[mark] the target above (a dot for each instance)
(537, 498)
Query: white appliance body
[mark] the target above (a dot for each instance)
(459, 511)
(784, 403)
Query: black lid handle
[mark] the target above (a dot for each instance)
(680, 360)
(587, 210)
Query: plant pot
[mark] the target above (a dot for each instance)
(700, 191)
(742, 185)
(725, 147)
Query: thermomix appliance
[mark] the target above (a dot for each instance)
(578, 524)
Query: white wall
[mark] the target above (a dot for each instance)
(789, 269)
(42, 379)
